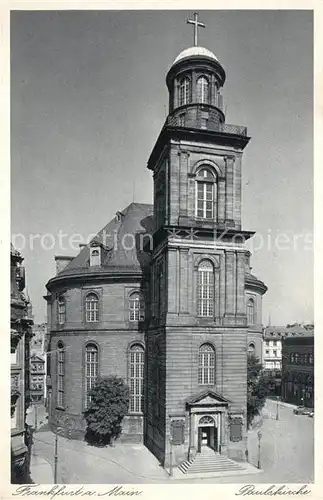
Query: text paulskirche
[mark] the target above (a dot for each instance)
(272, 490)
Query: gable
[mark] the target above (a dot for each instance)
(208, 398)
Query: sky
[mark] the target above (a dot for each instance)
(88, 100)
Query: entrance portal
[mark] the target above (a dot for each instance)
(207, 433)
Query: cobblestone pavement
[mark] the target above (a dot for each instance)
(287, 455)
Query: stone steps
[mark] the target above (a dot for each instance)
(183, 467)
(209, 461)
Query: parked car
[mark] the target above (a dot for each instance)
(302, 410)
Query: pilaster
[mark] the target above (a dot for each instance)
(229, 162)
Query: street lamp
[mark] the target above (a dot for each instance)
(259, 434)
(56, 454)
(277, 409)
(171, 457)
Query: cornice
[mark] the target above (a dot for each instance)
(192, 134)
(95, 277)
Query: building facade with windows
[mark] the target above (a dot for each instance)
(21, 334)
(163, 296)
(37, 379)
(298, 369)
(96, 318)
(273, 338)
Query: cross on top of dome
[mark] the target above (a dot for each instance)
(196, 25)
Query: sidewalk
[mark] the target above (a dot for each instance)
(41, 471)
(281, 403)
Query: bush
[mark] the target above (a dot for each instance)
(258, 388)
(109, 404)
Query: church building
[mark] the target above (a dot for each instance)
(163, 296)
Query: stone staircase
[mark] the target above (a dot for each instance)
(209, 461)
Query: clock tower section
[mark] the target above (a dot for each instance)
(197, 337)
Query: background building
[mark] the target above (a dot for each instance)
(298, 369)
(272, 348)
(21, 333)
(37, 379)
(38, 351)
(37, 345)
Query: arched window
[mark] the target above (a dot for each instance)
(251, 312)
(203, 89)
(206, 374)
(92, 308)
(205, 193)
(184, 91)
(61, 310)
(251, 349)
(91, 370)
(136, 376)
(136, 307)
(205, 289)
(60, 371)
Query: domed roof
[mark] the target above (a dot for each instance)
(195, 51)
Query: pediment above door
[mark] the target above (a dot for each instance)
(208, 399)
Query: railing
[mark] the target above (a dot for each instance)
(182, 121)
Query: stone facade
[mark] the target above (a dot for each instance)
(189, 266)
(21, 333)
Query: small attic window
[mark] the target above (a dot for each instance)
(119, 216)
(95, 256)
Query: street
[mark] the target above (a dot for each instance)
(286, 456)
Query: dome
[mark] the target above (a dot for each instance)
(195, 51)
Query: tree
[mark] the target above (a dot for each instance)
(257, 387)
(109, 403)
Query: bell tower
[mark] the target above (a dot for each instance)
(197, 337)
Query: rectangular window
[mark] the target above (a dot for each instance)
(136, 378)
(92, 308)
(60, 377)
(205, 292)
(205, 200)
(91, 370)
(206, 373)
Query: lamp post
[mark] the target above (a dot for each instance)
(171, 457)
(55, 457)
(259, 434)
(36, 419)
(277, 408)
(56, 454)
